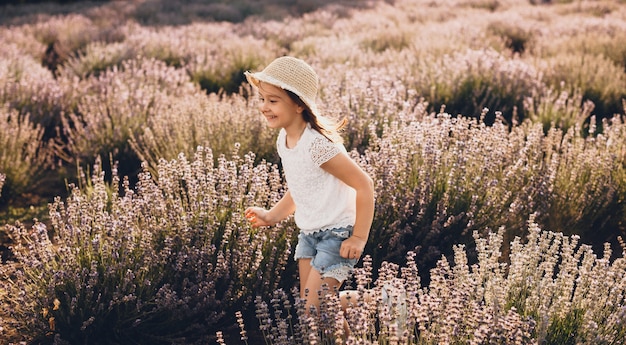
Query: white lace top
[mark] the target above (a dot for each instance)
(322, 200)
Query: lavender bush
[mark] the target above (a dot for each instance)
(587, 34)
(23, 156)
(97, 58)
(32, 90)
(516, 34)
(598, 78)
(559, 109)
(220, 122)
(588, 179)
(67, 36)
(219, 56)
(441, 178)
(117, 104)
(160, 263)
(545, 292)
(214, 56)
(467, 82)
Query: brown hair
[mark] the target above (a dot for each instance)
(328, 129)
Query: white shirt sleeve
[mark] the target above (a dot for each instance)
(322, 150)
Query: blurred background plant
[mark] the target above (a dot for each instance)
(23, 157)
(115, 106)
(598, 78)
(468, 82)
(220, 122)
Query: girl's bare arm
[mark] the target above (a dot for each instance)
(345, 169)
(259, 216)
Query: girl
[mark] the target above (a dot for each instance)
(331, 197)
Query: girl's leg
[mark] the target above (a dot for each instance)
(304, 267)
(311, 283)
(351, 297)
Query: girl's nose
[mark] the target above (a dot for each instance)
(262, 106)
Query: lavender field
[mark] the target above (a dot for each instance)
(131, 144)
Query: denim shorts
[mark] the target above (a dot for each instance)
(323, 248)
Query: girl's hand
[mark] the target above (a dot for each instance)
(352, 247)
(258, 216)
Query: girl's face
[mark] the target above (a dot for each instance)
(279, 109)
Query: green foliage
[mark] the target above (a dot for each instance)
(564, 330)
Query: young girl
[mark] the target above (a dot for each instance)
(331, 197)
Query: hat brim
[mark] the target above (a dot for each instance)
(256, 78)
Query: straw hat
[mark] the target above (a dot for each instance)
(291, 74)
